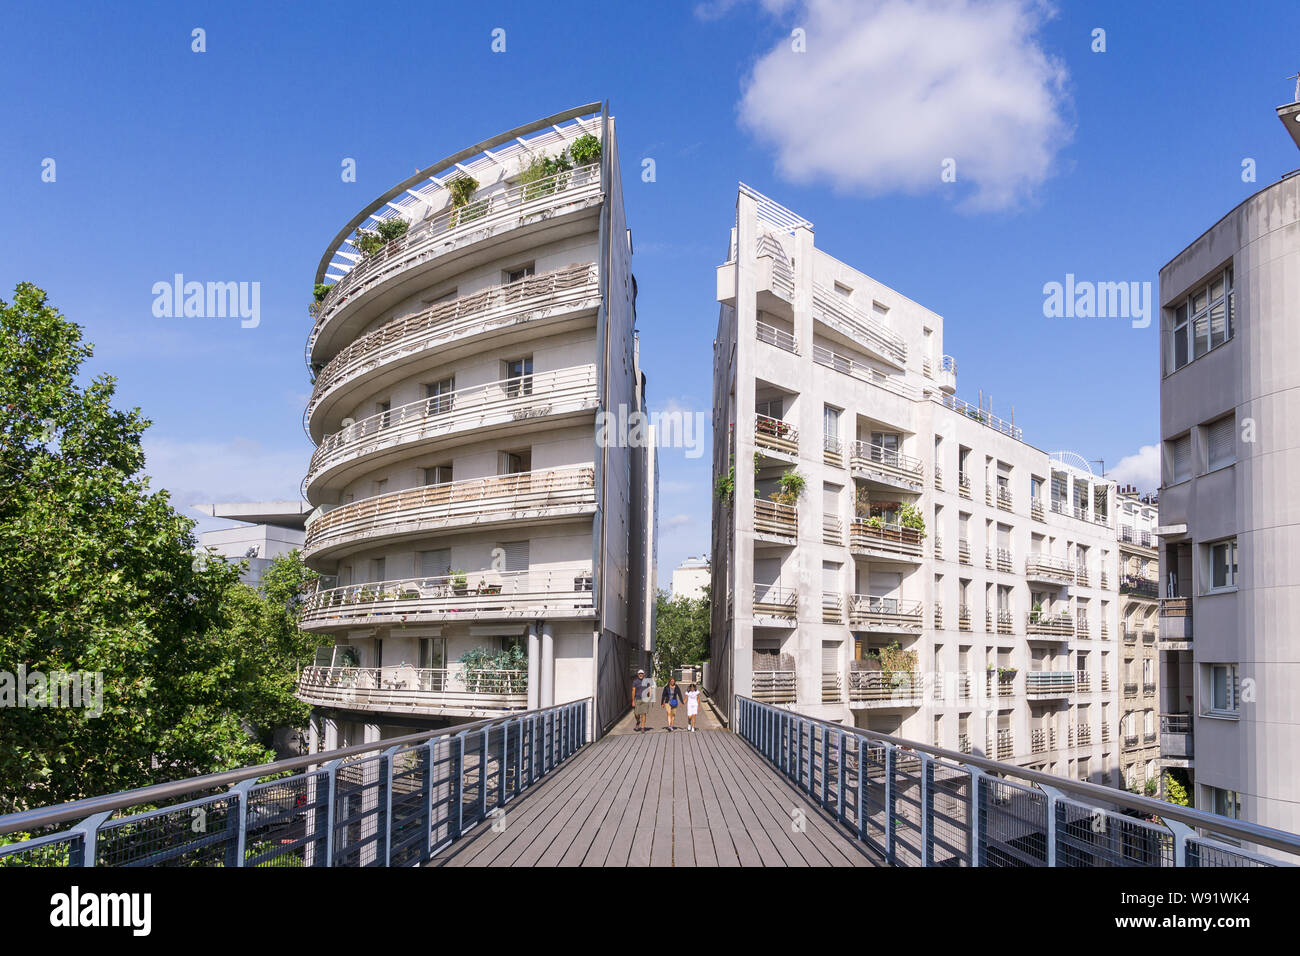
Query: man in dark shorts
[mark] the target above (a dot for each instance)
(643, 689)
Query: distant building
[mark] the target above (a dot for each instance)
(268, 530)
(691, 578)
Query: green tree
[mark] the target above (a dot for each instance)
(681, 632)
(98, 575)
(1176, 791)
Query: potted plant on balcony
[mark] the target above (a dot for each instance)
(585, 150)
(544, 175)
(791, 488)
(459, 583)
(461, 189)
(1007, 673)
(909, 516)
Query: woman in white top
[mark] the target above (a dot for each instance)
(692, 706)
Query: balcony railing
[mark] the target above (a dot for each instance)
(1141, 586)
(562, 491)
(963, 743)
(870, 613)
(773, 600)
(979, 415)
(507, 400)
(840, 314)
(774, 687)
(887, 465)
(864, 373)
(1036, 509)
(963, 551)
(777, 337)
(1005, 499)
(484, 593)
(1049, 625)
(938, 547)
(832, 530)
(1176, 736)
(1081, 575)
(1049, 683)
(1175, 619)
(1045, 567)
(1083, 682)
(396, 802)
(963, 617)
(832, 607)
(1130, 536)
(1004, 560)
(832, 691)
(952, 688)
(963, 484)
(938, 478)
(1003, 745)
(895, 687)
(445, 321)
(414, 690)
(775, 435)
(870, 534)
(1130, 688)
(833, 451)
(776, 519)
(507, 209)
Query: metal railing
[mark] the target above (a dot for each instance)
(502, 210)
(560, 490)
(865, 373)
(395, 802)
(773, 600)
(513, 399)
(979, 415)
(778, 337)
(472, 594)
(873, 534)
(873, 613)
(1136, 584)
(776, 518)
(1049, 683)
(776, 435)
(775, 687)
(1176, 619)
(412, 689)
(919, 805)
(897, 468)
(832, 530)
(832, 607)
(843, 316)
(1044, 566)
(895, 687)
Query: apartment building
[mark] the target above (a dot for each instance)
(1230, 432)
(480, 551)
(885, 554)
(266, 530)
(1139, 590)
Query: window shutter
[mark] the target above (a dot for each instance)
(516, 555)
(830, 658)
(434, 564)
(1222, 442)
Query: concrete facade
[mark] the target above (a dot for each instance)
(462, 501)
(935, 577)
(690, 578)
(1230, 654)
(1139, 587)
(267, 529)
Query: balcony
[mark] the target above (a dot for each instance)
(1042, 740)
(774, 687)
(1143, 539)
(1040, 685)
(776, 437)
(885, 466)
(1000, 682)
(947, 374)
(963, 551)
(1176, 736)
(884, 689)
(938, 478)
(477, 502)
(963, 743)
(832, 451)
(1083, 627)
(474, 410)
(1148, 688)
(1176, 619)
(410, 690)
(1138, 586)
(1081, 575)
(1130, 637)
(832, 531)
(963, 484)
(865, 373)
(1083, 735)
(1048, 570)
(1003, 623)
(832, 608)
(775, 521)
(871, 537)
(1005, 500)
(883, 614)
(1083, 682)
(963, 617)
(1042, 625)
(535, 298)
(1001, 747)
(776, 337)
(1003, 560)
(475, 595)
(1036, 509)
(832, 691)
(1130, 740)
(775, 604)
(425, 244)
(838, 313)
(1130, 688)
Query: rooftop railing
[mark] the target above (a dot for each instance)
(916, 804)
(392, 803)
(977, 414)
(865, 373)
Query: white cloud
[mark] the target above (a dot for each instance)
(676, 521)
(888, 90)
(1141, 469)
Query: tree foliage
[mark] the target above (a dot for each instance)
(681, 632)
(98, 575)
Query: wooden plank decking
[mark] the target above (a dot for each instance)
(662, 799)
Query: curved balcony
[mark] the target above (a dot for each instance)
(884, 614)
(530, 496)
(838, 313)
(474, 595)
(525, 398)
(405, 690)
(405, 340)
(872, 538)
(885, 466)
(453, 229)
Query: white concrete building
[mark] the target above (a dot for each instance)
(935, 576)
(1139, 588)
(482, 553)
(1230, 580)
(267, 529)
(690, 578)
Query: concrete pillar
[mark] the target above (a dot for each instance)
(534, 668)
(548, 666)
(331, 734)
(313, 733)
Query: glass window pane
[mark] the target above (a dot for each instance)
(1200, 336)
(1199, 301)
(1218, 329)
(1218, 688)
(1216, 289)
(1180, 347)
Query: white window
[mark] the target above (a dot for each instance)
(1222, 689)
(438, 475)
(1180, 459)
(831, 427)
(1202, 321)
(440, 396)
(1223, 564)
(1221, 442)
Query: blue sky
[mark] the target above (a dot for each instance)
(224, 165)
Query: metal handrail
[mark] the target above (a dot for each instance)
(836, 763)
(866, 452)
(424, 791)
(865, 373)
(774, 336)
(841, 314)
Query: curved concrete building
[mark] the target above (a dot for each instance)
(480, 553)
(1230, 542)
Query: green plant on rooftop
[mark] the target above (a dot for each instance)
(585, 150)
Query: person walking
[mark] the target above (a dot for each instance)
(692, 706)
(643, 689)
(671, 698)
